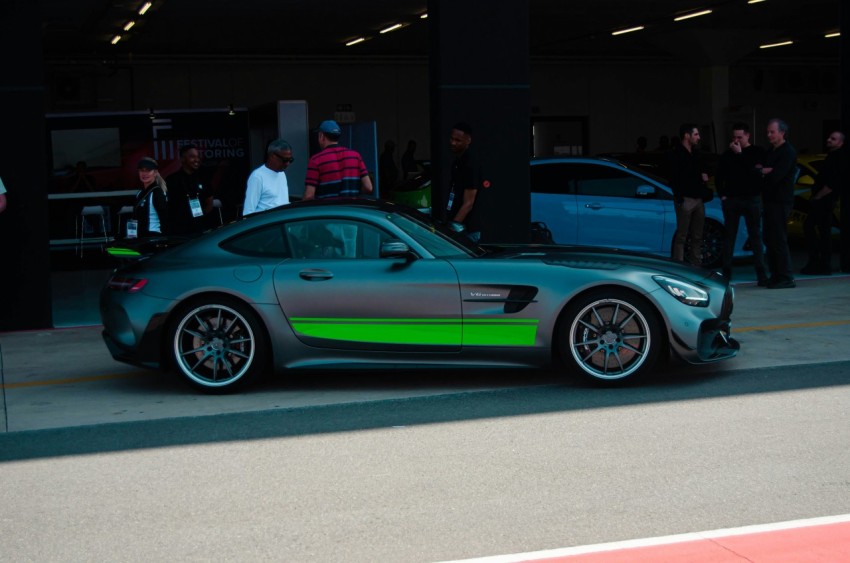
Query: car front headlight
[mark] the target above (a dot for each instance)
(686, 292)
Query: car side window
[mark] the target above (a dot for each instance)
(553, 178)
(335, 238)
(605, 181)
(264, 241)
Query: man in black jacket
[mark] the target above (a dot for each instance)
(688, 179)
(190, 198)
(779, 171)
(739, 187)
(818, 225)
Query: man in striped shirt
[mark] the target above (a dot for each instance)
(335, 171)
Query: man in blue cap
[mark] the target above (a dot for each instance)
(335, 171)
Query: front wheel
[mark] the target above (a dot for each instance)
(218, 346)
(610, 336)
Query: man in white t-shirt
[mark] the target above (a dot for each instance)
(267, 186)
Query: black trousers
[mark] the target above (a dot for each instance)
(735, 207)
(818, 230)
(776, 238)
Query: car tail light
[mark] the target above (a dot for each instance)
(130, 285)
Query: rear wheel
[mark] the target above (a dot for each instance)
(713, 237)
(219, 345)
(610, 336)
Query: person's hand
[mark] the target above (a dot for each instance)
(704, 177)
(735, 146)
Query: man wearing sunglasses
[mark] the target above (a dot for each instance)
(267, 185)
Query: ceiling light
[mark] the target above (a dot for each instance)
(629, 30)
(768, 46)
(129, 25)
(833, 34)
(693, 15)
(115, 39)
(391, 28)
(754, 1)
(355, 41)
(424, 16)
(145, 7)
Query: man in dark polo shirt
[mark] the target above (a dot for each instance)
(825, 193)
(190, 198)
(688, 181)
(462, 203)
(739, 187)
(779, 170)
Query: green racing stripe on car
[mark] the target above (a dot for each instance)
(474, 332)
(114, 251)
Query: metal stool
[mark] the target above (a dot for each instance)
(217, 205)
(90, 211)
(122, 214)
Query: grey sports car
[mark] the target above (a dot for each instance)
(362, 283)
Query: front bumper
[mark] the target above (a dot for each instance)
(714, 343)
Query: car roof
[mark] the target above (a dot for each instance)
(604, 161)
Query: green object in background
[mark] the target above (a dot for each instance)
(419, 198)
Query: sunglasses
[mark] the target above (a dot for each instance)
(282, 159)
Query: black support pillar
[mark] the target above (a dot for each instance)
(480, 74)
(25, 298)
(844, 92)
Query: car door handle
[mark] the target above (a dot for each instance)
(593, 205)
(315, 274)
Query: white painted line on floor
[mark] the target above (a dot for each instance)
(662, 540)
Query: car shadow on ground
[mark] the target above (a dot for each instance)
(481, 399)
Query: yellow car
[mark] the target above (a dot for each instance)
(809, 166)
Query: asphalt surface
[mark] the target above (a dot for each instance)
(105, 461)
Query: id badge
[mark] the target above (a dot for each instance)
(451, 200)
(132, 228)
(195, 205)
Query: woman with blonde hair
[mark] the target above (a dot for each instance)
(150, 211)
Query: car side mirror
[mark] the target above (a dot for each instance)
(396, 249)
(645, 191)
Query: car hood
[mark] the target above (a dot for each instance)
(598, 258)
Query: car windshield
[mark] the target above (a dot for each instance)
(438, 240)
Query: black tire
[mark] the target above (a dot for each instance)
(218, 345)
(713, 237)
(610, 336)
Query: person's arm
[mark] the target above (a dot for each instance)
(2, 203)
(675, 174)
(208, 204)
(160, 204)
(252, 195)
(311, 181)
(782, 166)
(828, 175)
(366, 185)
(466, 206)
